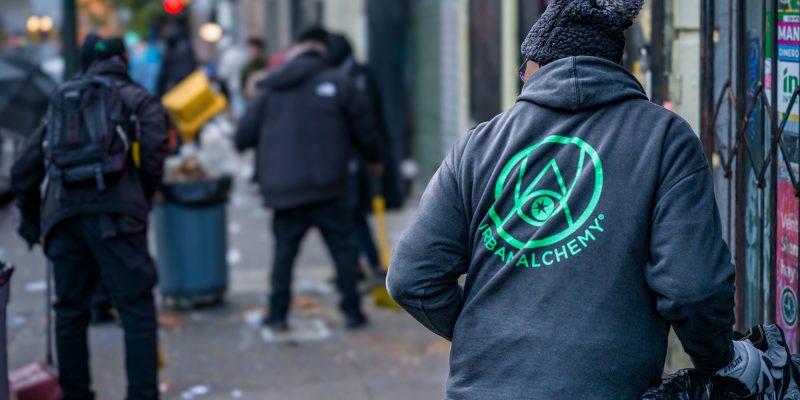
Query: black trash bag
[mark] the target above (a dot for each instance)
(198, 193)
(692, 384)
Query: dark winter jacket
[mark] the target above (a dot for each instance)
(303, 123)
(585, 221)
(128, 194)
(178, 63)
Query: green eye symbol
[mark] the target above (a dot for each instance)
(535, 189)
(542, 208)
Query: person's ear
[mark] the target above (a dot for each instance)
(531, 68)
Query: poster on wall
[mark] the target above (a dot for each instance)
(788, 58)
(786, 253)
(787, 213)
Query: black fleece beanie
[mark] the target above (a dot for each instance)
(108, 48)
(87, 50)
(581, 28)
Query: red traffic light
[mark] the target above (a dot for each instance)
(173, 6)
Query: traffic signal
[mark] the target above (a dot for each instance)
(173, 6)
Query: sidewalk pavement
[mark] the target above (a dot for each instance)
(222, 353)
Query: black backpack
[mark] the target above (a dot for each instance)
(86, 137)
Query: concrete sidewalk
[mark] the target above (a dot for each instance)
(222, 353)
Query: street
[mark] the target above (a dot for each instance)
(222, 353)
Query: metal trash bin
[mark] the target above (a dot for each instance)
(191, 242)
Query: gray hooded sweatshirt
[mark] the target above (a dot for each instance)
(585, 221)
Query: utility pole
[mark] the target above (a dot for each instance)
(658, 53)
(69, 44)
(707, 95)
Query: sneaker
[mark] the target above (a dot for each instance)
(276, 324)
(356, 321)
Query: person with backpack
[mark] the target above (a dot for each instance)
(101, 150)
(585, 222)
(102, 310)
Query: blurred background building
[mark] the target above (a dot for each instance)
(443, 65)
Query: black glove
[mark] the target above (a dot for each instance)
(31, 232)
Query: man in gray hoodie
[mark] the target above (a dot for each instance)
(585, 222)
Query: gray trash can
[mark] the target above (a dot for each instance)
(191, 243)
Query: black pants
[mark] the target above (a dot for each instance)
(359, 198)
(101, 299)
(335, 222)
(83, 250)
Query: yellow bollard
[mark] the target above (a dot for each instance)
(379, 294)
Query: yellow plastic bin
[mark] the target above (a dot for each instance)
(192, 103)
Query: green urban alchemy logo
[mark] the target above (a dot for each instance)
(545, 195)
(536, 203)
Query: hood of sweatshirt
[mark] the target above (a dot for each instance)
(581, 83)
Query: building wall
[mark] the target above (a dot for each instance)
(485, 59)
(254, 14)
(16, 12)
(449, 55)
(510, 53)
(348, 17)
(278, 27)
(685, 80)
(281, 20)
(453, 103)
(426, 86)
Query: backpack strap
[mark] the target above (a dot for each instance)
(115, 105)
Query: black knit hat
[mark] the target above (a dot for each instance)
(87, 50)
(108, 48)
(581, 28)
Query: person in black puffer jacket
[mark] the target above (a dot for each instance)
(303, 123)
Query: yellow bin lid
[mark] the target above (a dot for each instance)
(192, 102)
